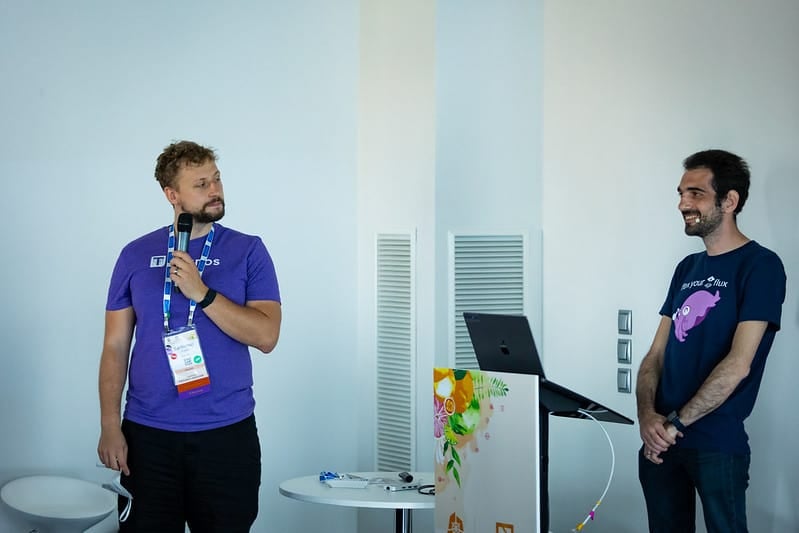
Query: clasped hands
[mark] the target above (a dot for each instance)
(658, 435)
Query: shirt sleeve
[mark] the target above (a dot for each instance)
(119, 296)
(763, 291)
(261, 276)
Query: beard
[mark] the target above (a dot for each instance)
(203, 216)
(706, 225)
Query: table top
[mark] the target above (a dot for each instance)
(310, 489)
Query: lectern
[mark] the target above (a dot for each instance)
(485, 436)
(504, 343)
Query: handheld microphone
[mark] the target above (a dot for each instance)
(185, 221)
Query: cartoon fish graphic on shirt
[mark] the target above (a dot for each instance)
(692, 312)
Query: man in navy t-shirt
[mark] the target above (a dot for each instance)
(700, 378)
(187, 445)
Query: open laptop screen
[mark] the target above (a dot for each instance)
(503, 343)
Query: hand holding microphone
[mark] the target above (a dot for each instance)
(185, 222)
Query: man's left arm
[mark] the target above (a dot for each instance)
(256, 323)
(728, 374)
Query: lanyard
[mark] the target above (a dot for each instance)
(168, 281)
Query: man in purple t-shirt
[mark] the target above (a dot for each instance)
(187, 446)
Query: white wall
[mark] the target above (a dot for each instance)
(91, 93)
(630, 89)
(396, 183)
(449, 140)
(488, 135)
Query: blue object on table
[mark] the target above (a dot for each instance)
(324, 475)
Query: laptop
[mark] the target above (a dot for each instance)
(504, 343)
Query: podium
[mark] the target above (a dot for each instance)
(504, 343)
(486, 437)
(486, 434)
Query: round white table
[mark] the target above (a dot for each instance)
(310, 489)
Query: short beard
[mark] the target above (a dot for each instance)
(707, 224)
(204, 217)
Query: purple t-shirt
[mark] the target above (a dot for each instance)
(240, 268)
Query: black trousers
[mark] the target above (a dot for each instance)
(206, 479)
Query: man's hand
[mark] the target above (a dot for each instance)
(185, 275)
(654, 432)
(658, 435)
(653, 457)
(113, 450)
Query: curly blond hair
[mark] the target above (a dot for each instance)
(178, 155)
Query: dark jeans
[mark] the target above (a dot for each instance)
(206, 479)
(670, 490)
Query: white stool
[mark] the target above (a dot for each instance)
(55, 504)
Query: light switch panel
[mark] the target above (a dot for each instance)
(624, 379)
(624, 351)
(625, 322)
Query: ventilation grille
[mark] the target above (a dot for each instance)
(487, 277)
(396, 353)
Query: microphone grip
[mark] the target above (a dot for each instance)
(183, 241)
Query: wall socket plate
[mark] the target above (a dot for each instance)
(625, 322)
(624, 380)
(624, 351)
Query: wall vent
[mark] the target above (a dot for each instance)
(396, 353)
(487, 275)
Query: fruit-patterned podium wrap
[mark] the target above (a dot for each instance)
(485, 426)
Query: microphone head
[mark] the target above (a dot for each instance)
(185, 221)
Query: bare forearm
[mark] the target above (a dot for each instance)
(646, 386)
(649, 372)
(114, 364)
(255, 324)
(113, 373)
(728, 374)
(653, 433)
(714, 391)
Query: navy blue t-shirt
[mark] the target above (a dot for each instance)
(708, 297)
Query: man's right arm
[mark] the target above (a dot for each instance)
(112, 448)
(653, 432)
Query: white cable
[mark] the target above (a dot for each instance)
(610, 477)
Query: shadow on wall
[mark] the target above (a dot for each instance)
(767, 522)
(782, 222)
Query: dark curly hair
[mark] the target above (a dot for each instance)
(730, 173)
(177, 155)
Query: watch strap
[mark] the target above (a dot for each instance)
(209, 297)
(675, 421)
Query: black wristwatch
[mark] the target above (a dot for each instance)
(209, 297)
(675, 421)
